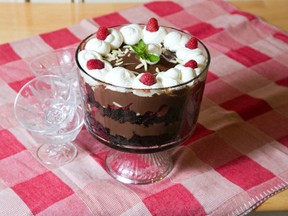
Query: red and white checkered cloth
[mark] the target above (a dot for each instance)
(236, 159)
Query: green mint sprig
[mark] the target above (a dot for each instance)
(141, 51)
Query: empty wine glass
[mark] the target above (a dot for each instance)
(59, 62)
(46, 106)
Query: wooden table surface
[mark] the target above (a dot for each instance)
(21, 20)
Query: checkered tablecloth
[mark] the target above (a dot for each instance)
(236, 159)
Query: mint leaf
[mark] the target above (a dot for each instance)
(141, 51)
(142, 45)
(153, 58)
(140, 48)
(136, 49)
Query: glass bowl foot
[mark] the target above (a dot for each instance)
(133, 168)
(57, 154)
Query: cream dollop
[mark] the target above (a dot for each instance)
(170, 77)
(100, 46)
(115, 39)
(131, 33)
(85, 55)
(187, 73)
(139, 86)
(154, 37)
(120, 77)
(175, 40)
(184, 54)
(99, 74)
(154, 49)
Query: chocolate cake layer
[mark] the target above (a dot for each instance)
(104, 134)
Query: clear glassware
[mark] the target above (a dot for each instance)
(141, 130)
(57, 147)
(46, 107)
(59, 62)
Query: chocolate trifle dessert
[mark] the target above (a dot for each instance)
(142, 85)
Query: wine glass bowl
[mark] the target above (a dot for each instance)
(44, 103)
(60, 62)
(46, 106)
(140, 125)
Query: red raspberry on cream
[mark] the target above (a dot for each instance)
(102, 33)
(152, 25)
(192, 43)
(148, 79)
(191, 63)
(93, 64)
(153, 33)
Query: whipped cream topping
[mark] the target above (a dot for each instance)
(139, 87)
(187, 73)
(170, 77)
(119, 76)
(85, 55)
(174, 40)
(100, 46)
(137, 84)
(184, 54)
(154, 37)
(115, 39)
(157, 43)
(132, 34)
(154, 49)
(99, 74)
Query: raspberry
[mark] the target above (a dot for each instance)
(147, 79)
(148, 113)
(162, 111)
(94, 110)
(152, 25)
(102, 33)
(94, 64)
(192, 43)
(191, 63)
(113, 107)
(127, 107)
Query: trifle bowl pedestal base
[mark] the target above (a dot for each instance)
(134, 168)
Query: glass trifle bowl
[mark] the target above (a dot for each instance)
(138, 104)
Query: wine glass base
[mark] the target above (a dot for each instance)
(53, 154)
(133, 168)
